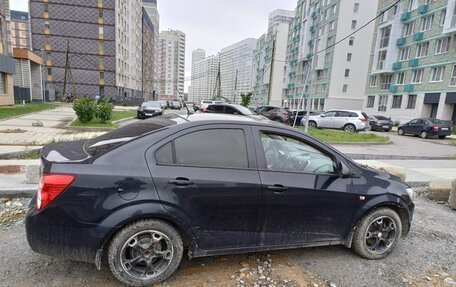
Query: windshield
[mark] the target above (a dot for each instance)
(151, 105)
(244, 110)
(115, 138)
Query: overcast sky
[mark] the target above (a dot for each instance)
(208, 24)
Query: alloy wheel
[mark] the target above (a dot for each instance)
(380, 235)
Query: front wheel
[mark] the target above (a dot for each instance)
(145, 253)
(377, 234)
(400, 132)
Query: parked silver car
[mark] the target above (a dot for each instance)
(347, 120)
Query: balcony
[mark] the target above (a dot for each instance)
(46, 15)
(309, 56)
(314, 14)
(423, 9)
(418, 36)
(401, 41)
(310, 43)
(291, 85)
(408, 89)
(393, 89)
(397, 66)
(292, 74)
(47, 47)
(313, 27)
(414, 63)
(406, 16)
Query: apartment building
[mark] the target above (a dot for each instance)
(236, 62)
(21, 36)
(323, 66)
(7, 66)
(171, 72)
(152, 11)
(269, 60)
(412, 70)
(104, 41)
(204, 82)
(148, 58)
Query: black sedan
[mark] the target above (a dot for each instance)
(301, 114)
(425, 128)
(149, 109)
(211, 184)
(380, 123)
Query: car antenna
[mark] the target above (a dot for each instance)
(183, 102)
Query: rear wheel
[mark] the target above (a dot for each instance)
(400, 132)
(377, 233)
(442, 137)
(349, 128)
(145, 253)
(423, 134)
(312, 124)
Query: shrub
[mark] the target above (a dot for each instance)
(104, 111)
(85, 109)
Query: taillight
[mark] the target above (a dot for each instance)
(51, 186)
(363, 120)
(436, 128)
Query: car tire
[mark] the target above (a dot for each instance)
(349, 128)
(400, 132)
(387, 130)
(131, 252)
(442, 137)
(312, 124)
(423, 135)
(377, 233)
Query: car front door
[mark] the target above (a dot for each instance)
(341, 119)
(305, 198)
(208, 178)
(326, 120)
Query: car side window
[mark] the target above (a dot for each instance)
(226, 148)
(414, 122)
(330, 114)
(230, 110)
(218, 108)
(284, 153)
(343, 114)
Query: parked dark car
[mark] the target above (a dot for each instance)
(175, 105)
(276, 114)
(425, 128)
(380, 123)
(211, 184)
(149, 109)
(301, 115)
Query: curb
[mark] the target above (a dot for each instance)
(15, 155)
(18, 192)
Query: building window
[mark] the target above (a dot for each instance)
(328, 57)
(49, 71)
(100, 30)
(334, 9)
(385, 36)
(442, 45)
(46, 8)
(396, 9)
(400, 78)
(356, 8)
(409, 29)
(385, 81)
(382, 103)
(384, 16)
(404, 54)
(453, 18)
(344, 88)
(437, 74)
(46, 25)
(351, 41)
(48, 56)
(332, 25)
(417, 76)
(101, 75)
(453, 77)
(349, 57)
(411, 103)
(373, 81)
(2, 82)
(370, 101)
(442, 17)
(411, 5)
(397, 102)
(347, 73)
(426, 22)
(381, 60)
(353, 25)
(100, 14)
(422, 50)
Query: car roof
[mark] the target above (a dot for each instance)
(224, 118)
(343, 110)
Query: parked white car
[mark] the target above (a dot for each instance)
(206, 103)
(347, 120)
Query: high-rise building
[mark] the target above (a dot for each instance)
(337, 66)
(412, 70)
(7, 66)
(21, 36)
(236, 69)
(152, 11)
(148, 55)
(269, 60)
(104, 43)
(171, 64)
(204, 81)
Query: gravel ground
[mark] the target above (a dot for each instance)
(426, 258)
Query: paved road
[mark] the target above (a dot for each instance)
(404, 146)
(428, 251)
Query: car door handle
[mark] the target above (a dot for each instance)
(277, 188)
(180, 181)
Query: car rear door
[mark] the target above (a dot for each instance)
(341, 119)
(207, 176)
(305, 198)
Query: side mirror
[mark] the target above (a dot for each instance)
(323, 115)
(344, 170)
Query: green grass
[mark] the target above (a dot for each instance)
(343, 137)
(96, 123)
(18, 110)
(30, 155)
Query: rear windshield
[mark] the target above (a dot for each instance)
(117, 137)
(244, 110)
(381, 118)
(436, 121)
(151, 104)
(365, 115)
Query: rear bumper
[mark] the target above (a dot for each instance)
(75, 243)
